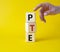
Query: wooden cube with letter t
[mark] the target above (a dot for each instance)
(30, 27)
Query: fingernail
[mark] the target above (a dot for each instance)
(45, 14)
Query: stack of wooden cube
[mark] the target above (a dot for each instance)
(30, 27)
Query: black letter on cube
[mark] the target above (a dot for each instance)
(30, 16)
(30, 37)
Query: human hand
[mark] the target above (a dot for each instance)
(47, 9)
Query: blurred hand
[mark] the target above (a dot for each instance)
(47, 9)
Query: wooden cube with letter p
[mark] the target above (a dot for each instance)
(30, 17)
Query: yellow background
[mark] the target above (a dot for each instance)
(12, 27)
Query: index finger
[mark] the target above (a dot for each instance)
(37, 7)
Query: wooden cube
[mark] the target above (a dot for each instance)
(30, 27)
(30, 17)
(30, 37)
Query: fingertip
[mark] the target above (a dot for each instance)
(44, 21)
(34, 9)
